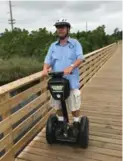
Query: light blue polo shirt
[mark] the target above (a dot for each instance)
(60, 57)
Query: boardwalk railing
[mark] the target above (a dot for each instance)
(24, 104)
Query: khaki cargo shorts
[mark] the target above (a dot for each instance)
(73, 102)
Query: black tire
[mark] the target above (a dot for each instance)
(50, 129)
(84, 132)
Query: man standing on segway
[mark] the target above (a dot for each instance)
(66, 55)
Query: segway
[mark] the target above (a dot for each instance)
(60, 90)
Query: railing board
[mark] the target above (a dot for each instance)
(14, 101)
(28, 108)
(40, 112)
(30, 134)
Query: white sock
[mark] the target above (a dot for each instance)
(60, 118)
(76, 119)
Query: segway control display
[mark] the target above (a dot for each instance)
(57, 88)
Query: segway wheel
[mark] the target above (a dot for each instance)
(84, 132)
(50, 128)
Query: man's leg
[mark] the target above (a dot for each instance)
(56, 104)
(76, 115)
(74, 103)
(60, 115)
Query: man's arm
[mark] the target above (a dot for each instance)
(79, 59)
(77, 63)
(79, 54)
(47, 62)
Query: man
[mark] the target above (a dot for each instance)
(66, 55)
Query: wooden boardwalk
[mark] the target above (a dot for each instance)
(101, 102)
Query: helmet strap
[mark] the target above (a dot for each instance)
(62, 38)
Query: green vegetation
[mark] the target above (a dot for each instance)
(22, 53)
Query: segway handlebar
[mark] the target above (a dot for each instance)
(57, 74)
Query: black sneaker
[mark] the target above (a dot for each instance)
(75, 128)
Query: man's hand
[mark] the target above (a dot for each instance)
(68, 70)
(46, 71)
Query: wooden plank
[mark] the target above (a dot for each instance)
(105, 151)
(105, 135)
(88, 59)
(87, 74)
(37, 156)
(103, 112)
(4, 97)
(37, 145)
(29, 135)
(95, 62)
(105, 145)
(89, 63)
(19, 83)
(100, 115)
(88, 154)
(105, 59)
(105, 130)
(6, 142)
(41, 143)
(4, 125)
(17, 159)
(28, 108)
(107, 140)
(84, 81)
(8, 156)
(92, 57)
(14, 101)
(97, 65)
(85, 67)
(82, 70)
(32, 157)
(96, 105)
(104, 121)
(26, 123)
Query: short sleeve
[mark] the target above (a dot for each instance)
(48, 58)
(79, 51)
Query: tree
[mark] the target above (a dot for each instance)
(32, 47)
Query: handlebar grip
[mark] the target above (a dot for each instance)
(60, 73)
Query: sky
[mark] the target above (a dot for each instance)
(33, 15)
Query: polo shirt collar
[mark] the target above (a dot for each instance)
(69, 41)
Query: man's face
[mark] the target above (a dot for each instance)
(62, 31)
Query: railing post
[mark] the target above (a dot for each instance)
(9, 155)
